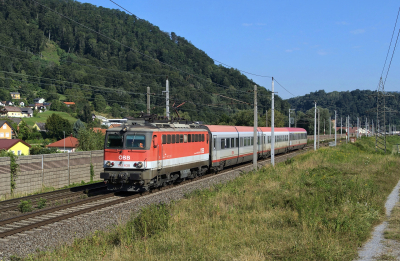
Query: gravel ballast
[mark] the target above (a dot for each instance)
(64, 232)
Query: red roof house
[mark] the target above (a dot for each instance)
(69, 103)
(69, 143)
(100, 130)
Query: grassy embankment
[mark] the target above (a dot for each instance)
(42, 117)
(318, 206)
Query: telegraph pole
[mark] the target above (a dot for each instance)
(315, 126)
(335, 128)
(366, 133)
(341, 127)
(289, 115)
(255, 130)
(167, 98)
(272, 126)
(330, 127)
(148, 100)
(318, 128)
(357, 127)
(266, 118)
(347, 134)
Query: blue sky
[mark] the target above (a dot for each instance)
(305, 45)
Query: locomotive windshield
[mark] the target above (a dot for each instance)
(115, 141)
(135, 141)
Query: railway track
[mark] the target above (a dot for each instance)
(53, 196)
(23, 223)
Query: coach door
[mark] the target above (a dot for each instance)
(159, 151)
(214, 148)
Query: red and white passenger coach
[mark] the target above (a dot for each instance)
(142, 154)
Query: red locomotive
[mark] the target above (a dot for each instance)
(144, 154)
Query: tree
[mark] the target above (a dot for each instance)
(85, 114)
(24, 132)
(5, 95)
(57, 125)
(90, 140)
(78, 125)
(99, 103)
(116, 110)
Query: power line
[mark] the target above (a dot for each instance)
(394, 49)
(394, 28)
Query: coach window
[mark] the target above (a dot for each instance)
(222, 144)
(252, 141)
(181, 138)
(232, 142)
(214, 143)
(189, 138)
(177, 138)
(192, 137)
(237, 142)
(164, 139)
(169, 139)
(227, 143)
(185, 138)
(173, 139)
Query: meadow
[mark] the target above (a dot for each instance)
(317, 206)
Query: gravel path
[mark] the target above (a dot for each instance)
(377, 246)
(51, 236)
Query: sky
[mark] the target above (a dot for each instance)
(305, 45)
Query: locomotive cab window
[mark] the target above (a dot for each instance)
(134, 141)
(114, 141)
(164, 139)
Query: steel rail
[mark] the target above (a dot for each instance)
(114, 202)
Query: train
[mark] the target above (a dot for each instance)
(146, 153)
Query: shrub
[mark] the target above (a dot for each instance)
(41, 203)
(25, 206)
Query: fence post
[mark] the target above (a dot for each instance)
(42, 170)
(69, 171)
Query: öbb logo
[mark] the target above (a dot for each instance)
(124, 157)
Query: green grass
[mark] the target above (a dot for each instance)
(50, 53)
(42, 117)
(319, 206)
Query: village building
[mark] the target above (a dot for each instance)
(10, 111)
(15, 95)
(69, 144)
(27, 112)
(38, 100)
(16, 146)
(6, 130)
(69, 103)
(40, 126)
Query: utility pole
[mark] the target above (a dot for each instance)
(357, 127)
(318, 128)
(289, 115)
(272, 126)
(341, 127)
(346, 128)
(330, 128)
(366, 123)
(167, 98)
(315, 126)
(255, 143)
(335, 128)
(148, 100)
(266, 118)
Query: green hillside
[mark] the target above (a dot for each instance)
(83, 66)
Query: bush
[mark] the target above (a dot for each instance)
(25, 206)
(41, 203)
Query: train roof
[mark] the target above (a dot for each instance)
(223, 128)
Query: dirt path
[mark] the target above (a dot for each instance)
(378, 247)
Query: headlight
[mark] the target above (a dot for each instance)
(139, 165)
(109, 164)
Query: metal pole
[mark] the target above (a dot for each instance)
(365, 126)
(341, 127)
(318, 128)
(255, 129)
(289, 118)
(148, 100)
(272, 126)
(335, 128)
(347, 133)
(266, 118)
(330, 128)
(315, 126)
(167, 98)
(64, 141)
(357, 128)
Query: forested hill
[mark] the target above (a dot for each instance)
(357, 103)
(60, 60)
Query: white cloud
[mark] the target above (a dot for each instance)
(292, 50)
(358, 31)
